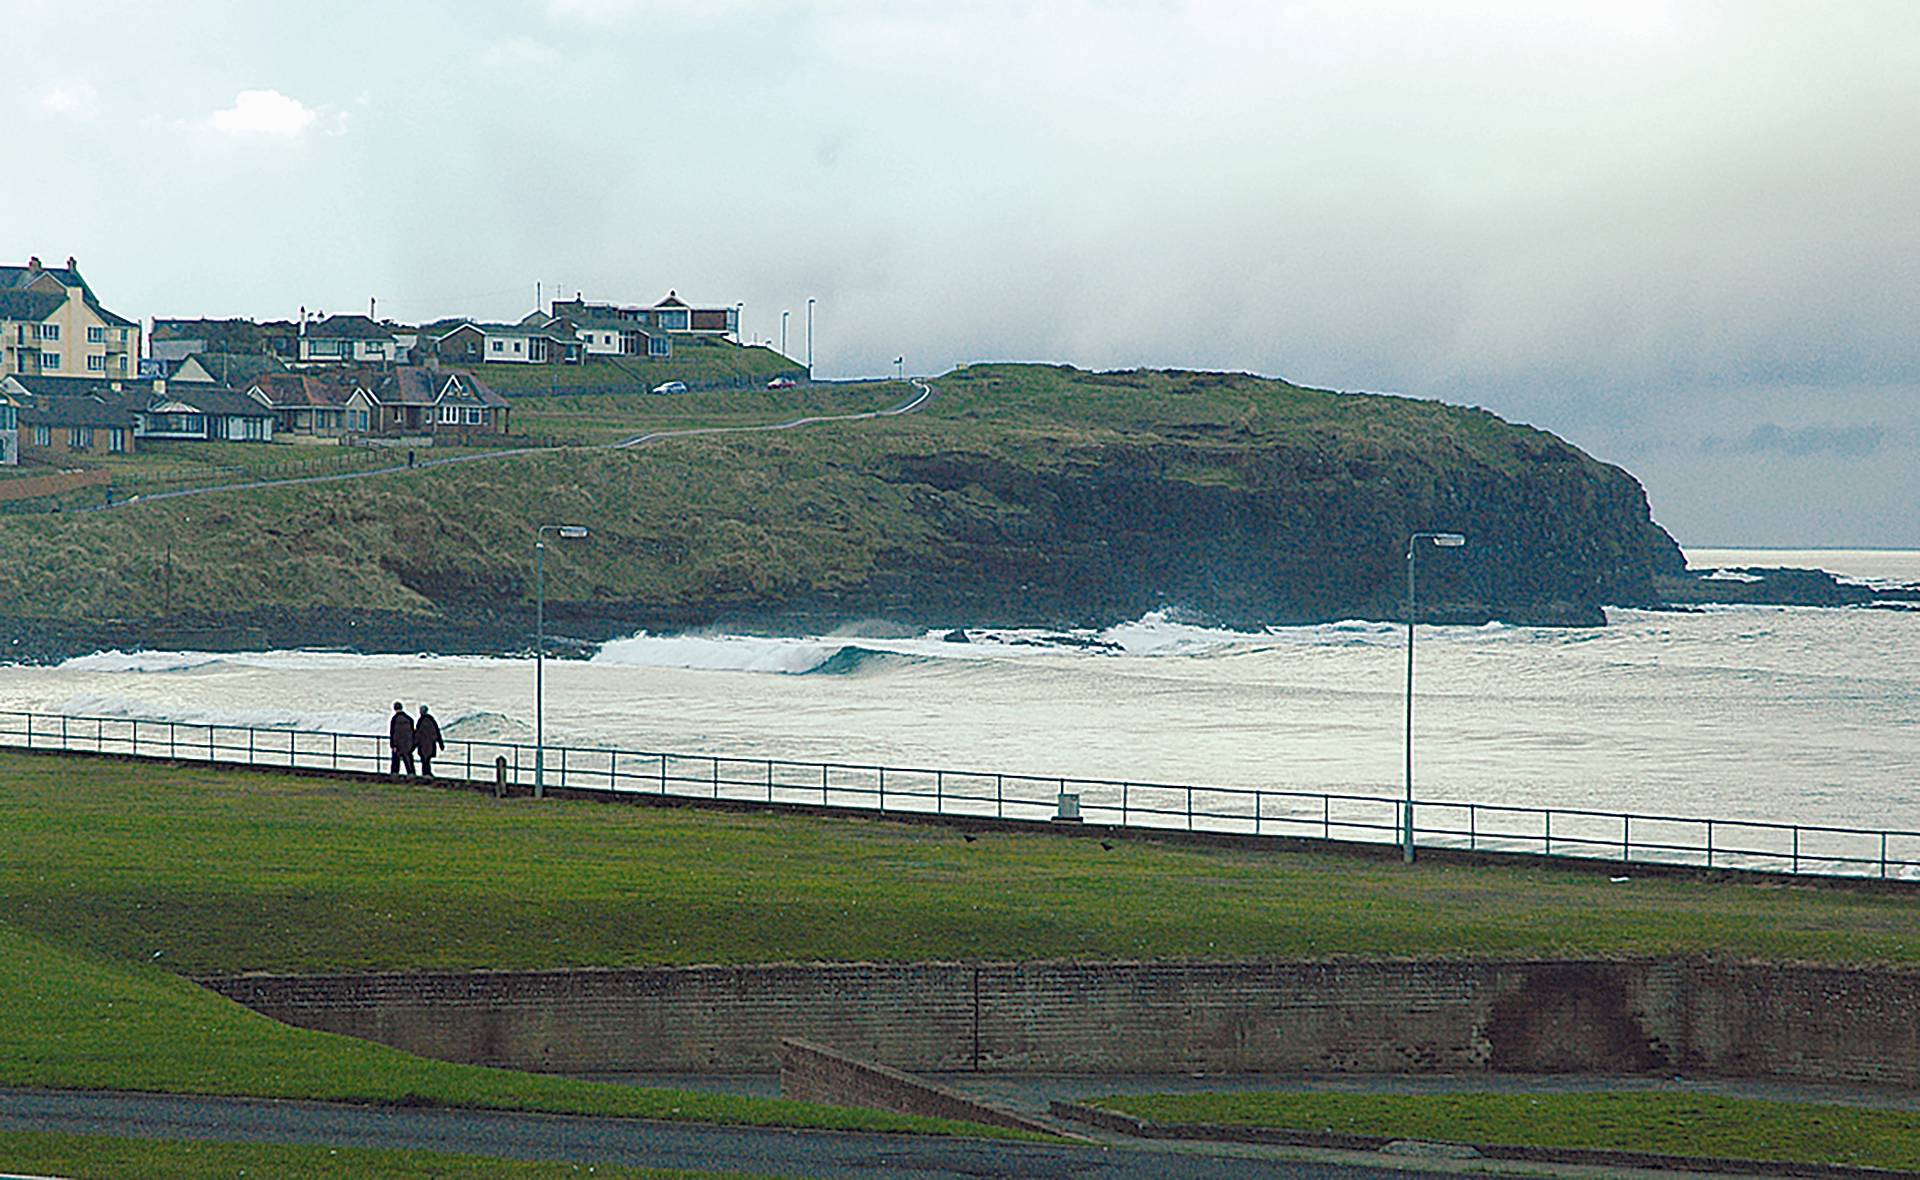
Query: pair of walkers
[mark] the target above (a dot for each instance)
(409, 737)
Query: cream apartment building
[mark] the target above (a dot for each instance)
(51, 324)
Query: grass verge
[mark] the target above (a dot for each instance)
(76, 1020)
(90, 1157)
(1665, 1123)
(207, 871)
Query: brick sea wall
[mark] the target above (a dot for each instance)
(1624, 1017)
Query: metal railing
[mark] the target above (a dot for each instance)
(1621, 837)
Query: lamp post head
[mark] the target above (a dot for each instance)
(572, 532)
(1449, 540)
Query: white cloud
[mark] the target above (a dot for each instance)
(72, 101)
(519, 52)
(269, 112)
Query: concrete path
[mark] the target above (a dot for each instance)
(920, 398)
(636, 1142)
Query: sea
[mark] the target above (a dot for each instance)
(1784, 714)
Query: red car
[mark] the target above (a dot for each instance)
(782, 383)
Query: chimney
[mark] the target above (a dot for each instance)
(71, 264)
(303, 320)
(33, 264)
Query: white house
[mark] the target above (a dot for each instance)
(342, 339)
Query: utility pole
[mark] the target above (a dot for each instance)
(783, 332)
(809, 337)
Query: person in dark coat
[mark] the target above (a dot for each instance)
(400, 736)
(426, 741)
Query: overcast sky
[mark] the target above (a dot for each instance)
(1683, 236)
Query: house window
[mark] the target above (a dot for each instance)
(96, 335)
(375, 352)
(499, 346)
(49, 331)
(43, 436)
(123, 335)
(120, 362)
(657, 346)
(80, 438)
(96, 364)
(359, 419)
(474, 416)
(518, 347)
(117, 440)
(450, 414)
(49, 360)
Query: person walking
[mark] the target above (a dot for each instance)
(400, 737)
(426, 741)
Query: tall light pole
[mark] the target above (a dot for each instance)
(900, 368)
(783, 332)
(572, 532)
(1443, 541)
(809, 337)
(739, 316)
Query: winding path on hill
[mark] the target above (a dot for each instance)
(634, 1142)
(923, 393)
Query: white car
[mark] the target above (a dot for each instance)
(782, 383)
(671, 387)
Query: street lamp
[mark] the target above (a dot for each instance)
(571, 532)
(739, 315)
(783, 332)
(1442, 541)
(809, 337)
(900, 368)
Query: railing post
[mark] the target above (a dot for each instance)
(769, 780)
(136, 734)
(30, 732)
(1326, 817)
(1123, 804)
(1883, 856)
(336, 755)
(173, 750)
(211, 759)
(613, 770)
(1796, 848)
(1259, 801)
(1473, 827)
(716, 777)
(563, 768)
(250, 732)
(63, 731)
(99, 738)
(823, 784)
(1189, 809)
(663, 776)
(999, 796)
(1549, 833)
(468, 745)
(1709, 843)
(883, 789)
(1626, 839)
(939, 792)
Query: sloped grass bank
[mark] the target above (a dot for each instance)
(1657, 1122)
(210, 871)
(77, 1020)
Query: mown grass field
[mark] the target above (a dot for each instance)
(1666, 1123)
(203, 870)
(605, 418)
(91, 1157)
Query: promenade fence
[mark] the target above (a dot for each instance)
(1622, 837)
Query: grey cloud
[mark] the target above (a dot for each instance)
(1771, 438)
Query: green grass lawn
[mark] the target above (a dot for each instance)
(1673, 1124)
(605, 418)
(75, 1019)
(210, 871)
(90, 1157)
(695, 360)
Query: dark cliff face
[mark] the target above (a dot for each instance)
(1284, 534)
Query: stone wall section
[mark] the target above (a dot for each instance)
(1517, 1016)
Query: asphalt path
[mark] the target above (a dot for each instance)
(923, 393)
(633, 1142)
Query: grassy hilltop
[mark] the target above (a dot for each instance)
(1020, 493)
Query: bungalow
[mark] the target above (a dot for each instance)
(85, 418)
(536, 340)
(302, 403)
(414, 400)
(672, 314)
(341, 339)
(207, 412)
(607, 335)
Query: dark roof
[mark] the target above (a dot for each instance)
(672, 300)
(29, 305)
(17, 277)
(42, 385)
(85, 410)
(236, 368)
(417, 385)
(350, 327)
(471, 386)
(217, 400)
(229, 331)
(299, 389)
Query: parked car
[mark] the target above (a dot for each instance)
(671, 387)
(782, 383)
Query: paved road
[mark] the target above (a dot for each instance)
(920, 398)
(630, 1141)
